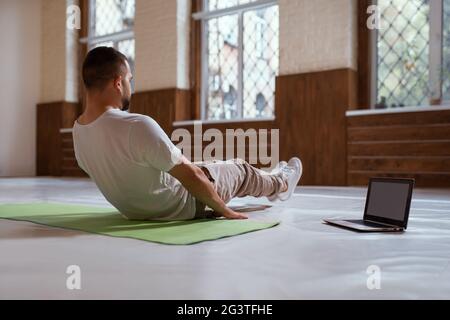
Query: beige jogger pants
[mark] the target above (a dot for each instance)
(237, 178)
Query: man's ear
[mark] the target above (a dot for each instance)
(118, 83)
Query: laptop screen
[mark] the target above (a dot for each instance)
(388, 200)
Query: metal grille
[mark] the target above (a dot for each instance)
(260, 62)
(128, 49)
(112, 16)
(403, 53)
(223, 67)
(446, 51)
(242, 61)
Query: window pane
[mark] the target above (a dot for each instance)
(403, 53)
(222, 4)
(260, 61)
(446, 51)
(222, 100)
(113, 16)
(127, 48)
(102, 44)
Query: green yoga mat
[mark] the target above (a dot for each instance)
(106, 221)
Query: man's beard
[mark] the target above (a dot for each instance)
(125, 104)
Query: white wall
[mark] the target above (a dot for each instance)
(162, 44)
(53, 81)
(59, 58)
(20, 33)
(317, 35)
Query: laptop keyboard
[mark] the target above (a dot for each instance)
(367, 223)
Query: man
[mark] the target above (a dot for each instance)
(139, 170)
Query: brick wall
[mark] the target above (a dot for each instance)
(162, 44)
(59, 56)
(317, 35)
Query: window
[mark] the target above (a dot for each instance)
(260, 45)
(111, 24)
(239, 58)
(261, 102)
(413, 53)
(446, 52)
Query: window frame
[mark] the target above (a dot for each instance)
(91, 39)
(435, 61)
(204, 16)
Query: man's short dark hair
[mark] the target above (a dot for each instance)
(101, 65)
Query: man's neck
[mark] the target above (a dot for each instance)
(91, 113)
(95, 107)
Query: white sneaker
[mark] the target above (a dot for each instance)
(275, 171)
(278, 168)
(292, 172)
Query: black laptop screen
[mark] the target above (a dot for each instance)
(388, 200)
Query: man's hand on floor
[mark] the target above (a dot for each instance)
(230, 214)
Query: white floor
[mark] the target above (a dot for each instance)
(299, 259)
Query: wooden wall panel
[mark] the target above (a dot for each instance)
(400, 164)
(423, 179)
(310, 112)
(51, 117)
(182, 105)
(165, 106)
(400, 119)
(403, 144)
(222, 127)
(399, 148)
(69, 165)
(409, 132)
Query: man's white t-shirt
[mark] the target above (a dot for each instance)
(128, 156)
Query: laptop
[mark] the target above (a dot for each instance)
(387, 207)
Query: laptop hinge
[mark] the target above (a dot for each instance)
(384, 224)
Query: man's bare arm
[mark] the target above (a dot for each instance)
(197, 183)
